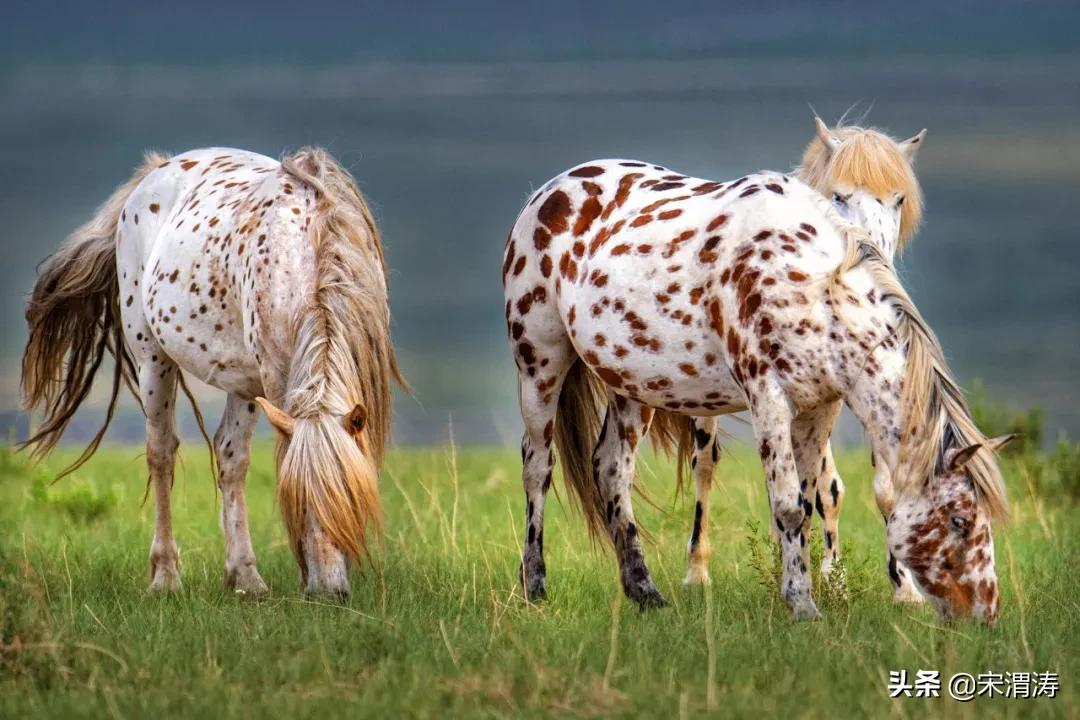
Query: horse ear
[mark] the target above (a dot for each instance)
(355, 421)
(827, 138)
(958, 458)
(910, 147)
(996, 444)
(280, 419)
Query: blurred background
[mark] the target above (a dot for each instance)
(450, 114)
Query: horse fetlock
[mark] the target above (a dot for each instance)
(797, 596)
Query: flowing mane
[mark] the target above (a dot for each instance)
(343, 357)
(869, 159)
(934, 416)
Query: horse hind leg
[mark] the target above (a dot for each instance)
(538, 459)
(157, 387)
(232, 448)
(817, 473)
(625, 426)
(703, 463)
(539, 397)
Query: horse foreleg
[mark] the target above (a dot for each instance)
(703, 462)
(828, 499)
(813, 459)
(157, 387)
(232, 446)
(625, 426)
(773, 429)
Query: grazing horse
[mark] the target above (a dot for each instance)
(264, 279)
(651, 291)
(859, 169)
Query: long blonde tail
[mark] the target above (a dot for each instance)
(73, 317)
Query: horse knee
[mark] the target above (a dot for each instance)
(790, 513)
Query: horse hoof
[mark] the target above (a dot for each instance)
(165, 581)
(245, 580)
(340, 596)
(908, 595)
(649, 599)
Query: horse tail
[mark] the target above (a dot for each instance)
(673, 434)
(577, 427)
(73, 317)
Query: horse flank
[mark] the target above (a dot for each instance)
(343, 357)
(933, 405)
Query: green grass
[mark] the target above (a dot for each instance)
(442, 630)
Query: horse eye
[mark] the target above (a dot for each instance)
(899, 201)
(961, 524)
(840, 199)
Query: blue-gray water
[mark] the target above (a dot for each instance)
(447, 149)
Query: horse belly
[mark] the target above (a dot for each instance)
(659, 351)
(200, 325)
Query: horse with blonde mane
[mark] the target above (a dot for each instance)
(866, 174)
(264, 279)
(662, 295)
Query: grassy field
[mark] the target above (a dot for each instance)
(440, 627)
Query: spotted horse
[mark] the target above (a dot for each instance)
(864, 172)
(652, 292)
(263, 279)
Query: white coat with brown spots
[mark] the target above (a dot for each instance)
(264, 279)
(208, 250)
(694, 297)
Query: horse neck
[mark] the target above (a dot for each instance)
(316, 384)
